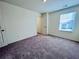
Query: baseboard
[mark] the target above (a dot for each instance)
(62, 38)
(18, 41)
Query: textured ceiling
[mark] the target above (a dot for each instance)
(40, 6)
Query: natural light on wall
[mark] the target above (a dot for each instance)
(67, 22)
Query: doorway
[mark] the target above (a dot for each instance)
(39, 25)
(42, 26)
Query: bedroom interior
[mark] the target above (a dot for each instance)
(39, 29)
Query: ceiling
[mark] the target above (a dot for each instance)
(40, 6)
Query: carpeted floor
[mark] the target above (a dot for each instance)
(41, 47)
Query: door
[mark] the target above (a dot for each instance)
(44, 23)
(39, 25)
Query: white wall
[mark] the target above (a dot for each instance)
(0, 29)
(54, 18)
(0, 13)
(19, 23)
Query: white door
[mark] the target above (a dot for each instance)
(39, 24)
(45, 23)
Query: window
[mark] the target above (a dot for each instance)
(67, 21)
